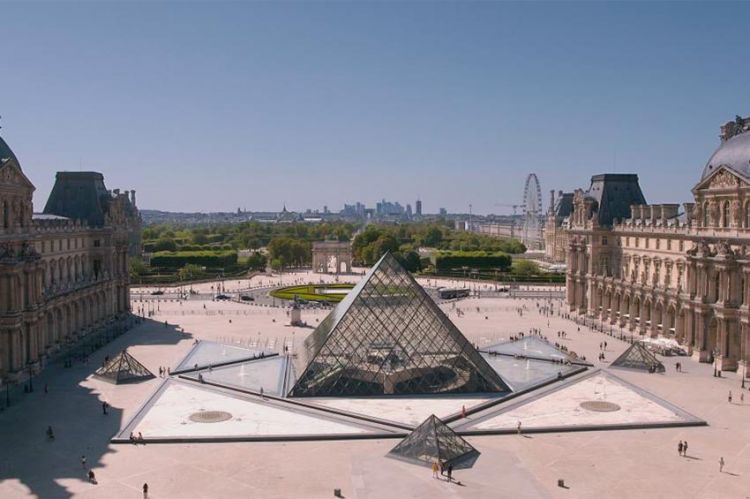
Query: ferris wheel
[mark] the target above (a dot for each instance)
(531, 229)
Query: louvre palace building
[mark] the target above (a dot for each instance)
(680, 271)
(63, 272)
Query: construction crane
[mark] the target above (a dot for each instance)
(514, 206)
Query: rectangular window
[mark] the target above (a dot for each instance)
(96, 243)
(604, 240)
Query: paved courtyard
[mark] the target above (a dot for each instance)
(614, 463)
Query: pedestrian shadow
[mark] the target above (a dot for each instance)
(694, 458)
(730, 473)
(527, 436)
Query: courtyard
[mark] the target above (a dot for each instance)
(638, 461)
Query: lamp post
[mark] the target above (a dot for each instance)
(744, 374)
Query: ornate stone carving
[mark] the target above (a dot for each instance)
(724, 180)
(724, 249)
(736, 213)
(713, 212)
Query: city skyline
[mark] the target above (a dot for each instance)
(436, 100)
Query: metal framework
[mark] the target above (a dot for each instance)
(531, 231)
(434, 442)
(388, 337)
(638, 357)
(123, 368)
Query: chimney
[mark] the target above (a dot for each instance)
(132, 196)
(551, 200)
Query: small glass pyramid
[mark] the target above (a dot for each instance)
(434, 442)
(638, 357)
(388, 337)
(123, 368)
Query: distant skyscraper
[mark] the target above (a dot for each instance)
(419, 207)
(408, 210)
(443, 212)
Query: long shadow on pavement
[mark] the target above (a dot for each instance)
(75, 413)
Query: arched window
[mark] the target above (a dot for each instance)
(706, 214)
(725, 214)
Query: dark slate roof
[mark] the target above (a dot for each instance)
(564, 205)
(6, 153)
(733, 154)
(614, 193)
(79, 195)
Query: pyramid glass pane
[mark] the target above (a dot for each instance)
(388, 337)
(530, 346)
(433, 441)
(638, 357)
(209, 353)
(123, 368)
(267, 374)
(523, 373)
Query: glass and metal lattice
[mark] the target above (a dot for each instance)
(123, 368)
(434, 442)
(638, 357)
(388, 337)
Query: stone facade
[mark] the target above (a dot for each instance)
(671, 270)
(556, 226)
(61, 278)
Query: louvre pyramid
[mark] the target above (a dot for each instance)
(433, 441)
(388, 337)
(638, 357)
(123, 368)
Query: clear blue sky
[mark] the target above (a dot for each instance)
(225, 105)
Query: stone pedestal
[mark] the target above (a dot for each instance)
(296, 317)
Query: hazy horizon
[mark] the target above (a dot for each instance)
(214, 107)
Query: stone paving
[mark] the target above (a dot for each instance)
(628, 463)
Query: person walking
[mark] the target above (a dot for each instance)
(435, 469)
(721, 465)
(730, 396)
(518, 428)
(742, 398)
(450, 471)
(145, 491)
(679, 448)
(684, 448)
(83, 462)
(104, 407)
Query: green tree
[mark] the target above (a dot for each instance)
(190, 271)
(525, 267)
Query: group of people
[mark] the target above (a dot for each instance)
(444, 471)
(136, 439)
(164, 371)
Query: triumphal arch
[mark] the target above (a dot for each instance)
(328, 255)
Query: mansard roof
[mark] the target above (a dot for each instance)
(614, 193)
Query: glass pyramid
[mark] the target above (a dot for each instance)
(433, 441)
(638, 357)
(388, 337)
(123, 368)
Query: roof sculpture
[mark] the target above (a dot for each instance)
(388, 337)
(433, 441)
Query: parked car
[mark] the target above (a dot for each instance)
(223, 297)
(247, 298)
(157, 292)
